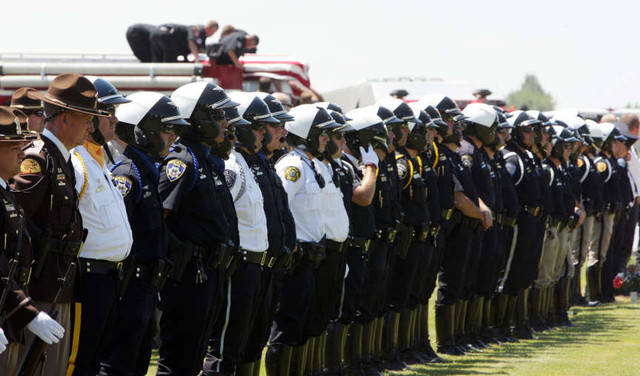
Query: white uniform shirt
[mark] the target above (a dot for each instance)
(102, 209)
(334, 214)
(634, 170)
(304, 193)
(249, 204)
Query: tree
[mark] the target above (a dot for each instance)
(531, 95)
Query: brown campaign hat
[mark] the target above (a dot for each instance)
(72, 91)
(23, 99)
(10, 129)
(24, 124)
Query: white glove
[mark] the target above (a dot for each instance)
(46, 328)
(369, 155)
(3, 341)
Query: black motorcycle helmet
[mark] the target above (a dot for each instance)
(449, 112)
(256, 112)
(368, 129)
(519, 120)
(332, 147)
(562, 136)
(275, 106)
(402, 111)
(149, 113)
(203, 104)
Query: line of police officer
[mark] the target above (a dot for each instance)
(319, 232)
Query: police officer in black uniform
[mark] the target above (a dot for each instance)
(197, 230)
(480, 128)
(282, 231)
(143, 125)
(439, 178)
(365, 146)
(468, 219)
(523, 242)
(506, 208)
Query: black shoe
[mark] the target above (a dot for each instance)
(521, 332)
(430, 354)
(450, 350)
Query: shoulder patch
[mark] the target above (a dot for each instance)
(123, 184)
(467, 160)
(403, 170)
(292, 173)
(511, 168)
(230, 178)
(601, 166)
(622, 162)
(580, 163)
(30, 166)
(175, 169)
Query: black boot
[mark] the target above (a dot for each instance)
(505, 308)
(244, 369)
(487, 328)
(256, 367)
(390, 352)
(576, 288)
(429, 354)
(474, 323)
(334, 358)
(278, 360)
(592, 285)
(535, 317)
(564, 303)
(353, 349)
(319, 354)
(445, 324)
(299, 359)
(520, 330)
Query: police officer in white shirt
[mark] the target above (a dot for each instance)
(245, 287)
(301, 174)
(109, 236)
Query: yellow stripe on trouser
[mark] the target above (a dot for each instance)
(76, 339)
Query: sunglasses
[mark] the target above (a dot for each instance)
(257, 127)
(217, 115)
(528, 130)
(36, 112)
(110, 110)
(338, 136)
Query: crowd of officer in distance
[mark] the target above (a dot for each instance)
(319, 234)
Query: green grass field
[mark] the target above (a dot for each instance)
(604, 341)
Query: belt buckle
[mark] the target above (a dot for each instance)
(272, 262)
(264, 258)
(391, 235)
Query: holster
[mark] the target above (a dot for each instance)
(161, 269)
(314, 252)
(179, 254)
(422, 232)
(283, 259)
(43, 245)
(405, 235)
(127, 273)
(233, 263)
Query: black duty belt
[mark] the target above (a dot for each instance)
(65, 247)
(99, 266)
(498, 218)
(362, 243)
(387, 235)
(334, 246)
(23, 275)
(144, 271)
(446, 213)
(257, 258)
(508, 221)
(472, 223)
(533, 210)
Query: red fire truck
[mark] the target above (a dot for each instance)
(18, 69)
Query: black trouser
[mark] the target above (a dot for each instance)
(454, 264)
(403, 276)
(128, 352)
(523, 255)
(434, 266)
(230, 337)
(620, 249)
(423, 274)
(259, 336)
(536, 253)
(188, 308)
(327, 288)
(138, 36)
(488, 269)
(293, 306)
(375, 288)
(167, 44)
(353, 285)
(98, 299)
(473, 264)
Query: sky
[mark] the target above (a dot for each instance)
(584, 53)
